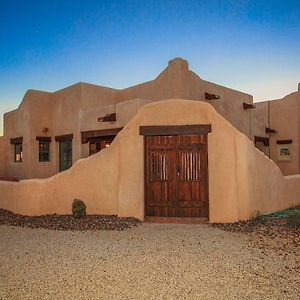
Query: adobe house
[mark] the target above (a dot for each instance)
(157, 157)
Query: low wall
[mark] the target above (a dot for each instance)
(91, 180)
(261, 186)
(242, 180)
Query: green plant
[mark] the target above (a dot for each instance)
(78, 209)
(294, 219)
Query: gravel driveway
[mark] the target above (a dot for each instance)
(152, 261)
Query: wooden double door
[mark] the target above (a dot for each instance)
(176, 176)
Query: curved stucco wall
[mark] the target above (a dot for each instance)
(242, 180)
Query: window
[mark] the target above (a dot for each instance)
(44, 148)
(65, 155)
(99, 143)
(65, 151)
(95, 146)
(44, 151)
(18, 152)
(17, 148)
(262, 144)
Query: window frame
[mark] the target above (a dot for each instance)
(20, 146)
(44, 140)
(17, 142)
(44, 152)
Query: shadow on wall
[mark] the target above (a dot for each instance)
(242, 180)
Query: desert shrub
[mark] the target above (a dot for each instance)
(294, 219)
(255, 215)
(78, 209)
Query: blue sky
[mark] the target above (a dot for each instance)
(253, 46)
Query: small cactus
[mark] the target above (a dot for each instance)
(78, 209)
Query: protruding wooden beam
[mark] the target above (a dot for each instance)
(43, 139)
(108, 118)
(18, 140)
(87, 135)
(284, 142)
(270, 130)
(209, 96)
(175, 129)
(65, 137)
(248, 106)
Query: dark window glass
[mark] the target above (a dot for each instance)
(44, 151)
(65, 155)
(18, 152)
(99, 143)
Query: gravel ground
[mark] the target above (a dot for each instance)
(151, 261)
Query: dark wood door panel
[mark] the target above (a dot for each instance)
(161, 141)
(159, 195)
(160, 175)
(189, 140)
(158, 211)
(191, 212)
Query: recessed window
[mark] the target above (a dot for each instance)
(99, 143)
(44, 151)
(18, 152)
(65, 155)
(65, 151)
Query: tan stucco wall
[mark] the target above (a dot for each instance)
(261, 186)
(242, 180)
(34, 113)
(125, 111)
(282, 115)
(177, 81)
(93, 96)
(230, 104)
(77, 108)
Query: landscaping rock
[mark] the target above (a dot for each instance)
(271, 232)
(68, 222)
